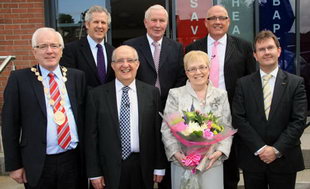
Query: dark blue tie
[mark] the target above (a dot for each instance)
(100, 64)
(124, 122)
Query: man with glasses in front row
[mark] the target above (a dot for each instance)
(231, 58)
(42, 119)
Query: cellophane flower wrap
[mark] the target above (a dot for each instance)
(199, 133)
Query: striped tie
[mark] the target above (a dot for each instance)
(156, 57)
(267, 94)
(60, 117)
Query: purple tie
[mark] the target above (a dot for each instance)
(101, 64)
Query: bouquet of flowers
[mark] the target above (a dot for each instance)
(198, 132)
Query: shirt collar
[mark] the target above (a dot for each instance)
(45, 72)
(92, 43)
(222, 40)
(273, 73)
(151, 40)
(119, 85)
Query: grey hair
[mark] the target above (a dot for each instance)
(42, 30)
(96, 8)
(154, 7)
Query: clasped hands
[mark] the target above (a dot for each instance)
(267, 154)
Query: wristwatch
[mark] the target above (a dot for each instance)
(278, 154)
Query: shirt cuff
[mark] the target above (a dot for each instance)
(93, 178)
(258, 151)
(160, 172)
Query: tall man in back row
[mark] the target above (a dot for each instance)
(231, 58)
(91, 54)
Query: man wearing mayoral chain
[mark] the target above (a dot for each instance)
(42, 117)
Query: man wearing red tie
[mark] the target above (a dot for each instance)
(42, 119)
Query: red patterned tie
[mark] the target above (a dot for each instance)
(60, 117)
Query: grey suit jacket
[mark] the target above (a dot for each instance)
(103, 145)
(282, 130)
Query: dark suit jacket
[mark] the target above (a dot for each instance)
(238, 62)
(24, 120)
(282, 130)
(171, 68)
(77, 54)
(103, 145)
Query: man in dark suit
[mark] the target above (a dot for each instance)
(124, 148)
(269, 110)
(168, 72)
(235, 60)
(42, 119)
(86, 54)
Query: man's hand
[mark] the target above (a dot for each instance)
(213, 157)
(98, 183)
(158, 178)
(19, 175)
(267, 154)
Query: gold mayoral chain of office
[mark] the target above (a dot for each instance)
(59, 116)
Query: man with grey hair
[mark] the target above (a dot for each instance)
(42, 119)
(159, 57)
(91, 54)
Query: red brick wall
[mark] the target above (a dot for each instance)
(18, 20)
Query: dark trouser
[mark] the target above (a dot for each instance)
(61, 171)
(131, 175)
(269, 180)
(231, 169)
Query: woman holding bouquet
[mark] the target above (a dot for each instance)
(200, 95)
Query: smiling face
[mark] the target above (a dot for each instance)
(217, 27)
(97, 27)
(49, 56)
(267, 54)
(197, 73)
(125, 64)
(156, 23)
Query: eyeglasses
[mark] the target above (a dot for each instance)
(123, 60)
(200, 68)
(269, 48)
(221, 18)
(53, 46)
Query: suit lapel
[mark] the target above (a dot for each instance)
(71, 93)
(85, 50)
(278, 92)
(141, 100)
(39, 90)
(147, 53)
(110, 94)
(257, 91)
(229, 49)
(165, 46)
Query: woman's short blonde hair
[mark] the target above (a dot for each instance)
(196, 56)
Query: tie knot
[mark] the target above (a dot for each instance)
(51, 75)
(99, 46)
(216, 43)
(155, 44)
(125, 89)
(267, 77)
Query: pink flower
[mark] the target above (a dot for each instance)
(209, 124)
(208, 134)
(192, 160)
